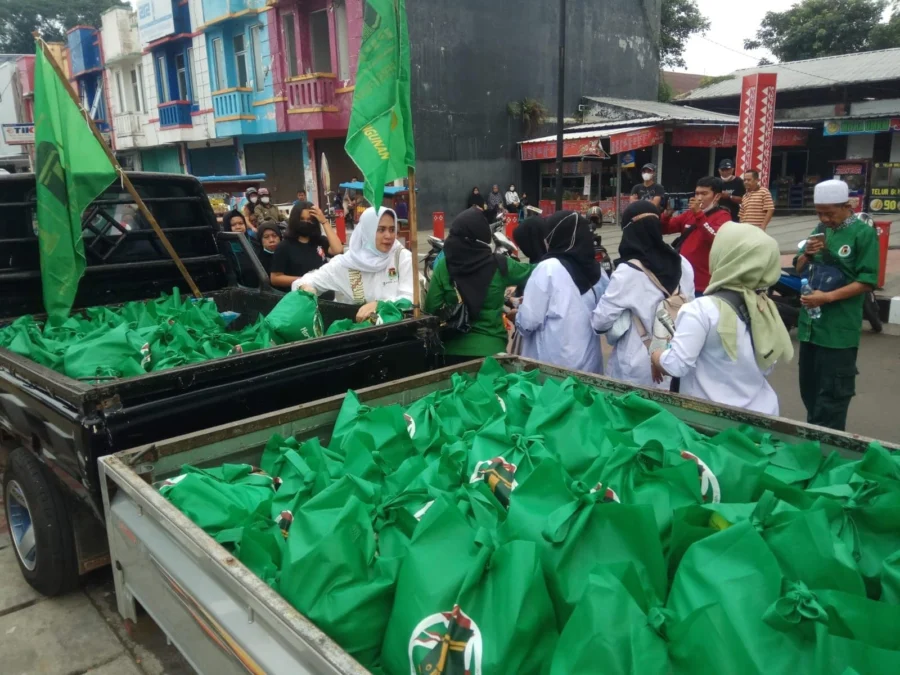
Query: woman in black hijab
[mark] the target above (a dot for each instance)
(554, 318)
(472, 273)
(475, 198)
(642, 240)
(627, 310)
(569, 240)
(529, 237)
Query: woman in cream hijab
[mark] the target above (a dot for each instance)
(375, 267)
(728, 341)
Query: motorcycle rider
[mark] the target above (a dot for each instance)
(844, 255)
(265, 210)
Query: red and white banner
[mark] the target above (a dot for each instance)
(727, 136)
(757, 125)
(572, 147)
(635, 140)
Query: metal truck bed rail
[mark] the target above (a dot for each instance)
(221, 616)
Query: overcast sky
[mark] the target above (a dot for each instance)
(730, 24)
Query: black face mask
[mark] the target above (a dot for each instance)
(306, 228)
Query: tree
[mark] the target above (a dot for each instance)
(816, 28)
(680, 20)
(51, 18)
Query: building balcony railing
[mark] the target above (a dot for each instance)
(128, 124)
(233, 104)
(175, 114)
(311, 93)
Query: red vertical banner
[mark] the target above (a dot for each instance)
(757, 125)
(512, 222)
(340, 224)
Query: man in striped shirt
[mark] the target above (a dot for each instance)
(757, 207)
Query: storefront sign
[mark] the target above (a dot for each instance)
(155, 20)
(757, 125)
(726, 137)
(587, 185)
(853, 127)
(886, 199)
(634, 140)
(627, 160)
(572, 147)
(18, 134)
(848, 170)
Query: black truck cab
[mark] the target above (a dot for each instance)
(58, 427)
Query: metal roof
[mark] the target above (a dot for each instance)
(600, 133)
(813, 73)
(664, 111)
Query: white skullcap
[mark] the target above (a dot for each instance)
(832, 192)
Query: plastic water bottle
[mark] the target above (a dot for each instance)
(806, 289)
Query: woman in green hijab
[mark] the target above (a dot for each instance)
(727, 341)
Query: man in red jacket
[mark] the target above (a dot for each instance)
(698, 226)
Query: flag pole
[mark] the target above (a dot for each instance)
(126, 182)
(413, 240)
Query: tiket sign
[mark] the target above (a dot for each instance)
(757, 125)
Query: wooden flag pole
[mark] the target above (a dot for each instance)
(126, 182)
(413, 241)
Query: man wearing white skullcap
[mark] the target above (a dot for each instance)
(840, 259)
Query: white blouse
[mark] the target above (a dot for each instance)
(696, 355)
(356, 288)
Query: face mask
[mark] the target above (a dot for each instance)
(253, 200)
(647, 176)
(265, 200)
(265, 250)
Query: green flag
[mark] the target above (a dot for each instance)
(71, 170)
(380, 137)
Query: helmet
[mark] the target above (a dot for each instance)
(263, 192)
(250, 191)
(595, 215)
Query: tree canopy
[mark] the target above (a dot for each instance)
(816, 28)
(680, 20)
(51, 18)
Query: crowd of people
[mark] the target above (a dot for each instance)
(744, 198)
(498, 202)
(693, 316)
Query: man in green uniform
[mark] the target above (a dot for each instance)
(840, 260)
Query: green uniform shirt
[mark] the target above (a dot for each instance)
(488, 335)
(853, 249)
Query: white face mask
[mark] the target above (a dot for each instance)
(265, 200)
(647, 176)
(254, 199)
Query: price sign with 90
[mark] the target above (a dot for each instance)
(878, 205)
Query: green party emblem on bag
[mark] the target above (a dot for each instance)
(709, 484)
(447, 643)
(499, 475)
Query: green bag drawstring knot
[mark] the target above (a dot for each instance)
(860, 497)
(560, 521)
(797, 605)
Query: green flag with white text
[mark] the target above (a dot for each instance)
(380, 137)
(71, 170)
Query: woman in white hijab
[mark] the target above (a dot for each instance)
(376, 266)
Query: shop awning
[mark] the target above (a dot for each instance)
(589, 143)
(725, 136)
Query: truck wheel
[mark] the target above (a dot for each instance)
(39, 526)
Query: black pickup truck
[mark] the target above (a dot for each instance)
(58, 427)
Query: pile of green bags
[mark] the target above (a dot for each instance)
(104, 343)
(510, 526)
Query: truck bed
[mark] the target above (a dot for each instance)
(222, 617)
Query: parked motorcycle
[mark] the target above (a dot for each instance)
(786, 294)
(595, 215)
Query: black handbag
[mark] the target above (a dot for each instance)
(455, 318)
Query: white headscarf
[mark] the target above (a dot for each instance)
(363, 254)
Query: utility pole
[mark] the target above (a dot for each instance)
(560, 105)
